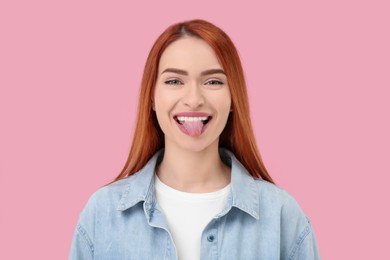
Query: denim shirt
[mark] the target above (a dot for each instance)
(259, 221)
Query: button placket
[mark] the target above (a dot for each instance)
(209, 245)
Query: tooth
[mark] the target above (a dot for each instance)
(191, 118)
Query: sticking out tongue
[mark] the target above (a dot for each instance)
(193, 128)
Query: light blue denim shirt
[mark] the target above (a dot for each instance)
(260, 221)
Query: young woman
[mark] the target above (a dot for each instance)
(194, 185)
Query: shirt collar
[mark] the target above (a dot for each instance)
(244, 191)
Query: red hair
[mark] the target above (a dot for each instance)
(238, 134)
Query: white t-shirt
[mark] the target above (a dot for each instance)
(188, 214)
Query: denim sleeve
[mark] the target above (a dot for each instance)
(82, 247)
(83, 244)
(306, 247)
(298, 240)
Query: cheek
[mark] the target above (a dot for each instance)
(224, 102)
(164, 102)
(160, 97)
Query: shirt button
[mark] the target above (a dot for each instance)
(210, 238)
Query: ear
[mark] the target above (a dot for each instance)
(153, 107)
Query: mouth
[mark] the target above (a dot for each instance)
(192, 119)
(193, 125)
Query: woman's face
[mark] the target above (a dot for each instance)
(191, 99)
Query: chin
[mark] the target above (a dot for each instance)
(196, 146)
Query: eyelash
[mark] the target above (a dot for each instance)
(170, 82)
(217, 82)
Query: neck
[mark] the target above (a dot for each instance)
(193, 171)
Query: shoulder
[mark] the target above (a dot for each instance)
(106, 198)
(123, 193)
(259, 196)
(110, 193)
(279, 201)
(273, 196)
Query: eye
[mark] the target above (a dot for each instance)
(173, 82)
(214, 82)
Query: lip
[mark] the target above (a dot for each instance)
(192, 114)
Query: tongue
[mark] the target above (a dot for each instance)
(193, 128)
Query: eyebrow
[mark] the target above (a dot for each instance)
(203, 73)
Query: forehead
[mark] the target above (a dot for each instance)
(191, 54)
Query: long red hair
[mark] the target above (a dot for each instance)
(238, 134)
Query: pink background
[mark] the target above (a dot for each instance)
(318, 77)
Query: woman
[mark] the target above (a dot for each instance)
(194, 185)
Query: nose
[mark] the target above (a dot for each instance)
(194, 97)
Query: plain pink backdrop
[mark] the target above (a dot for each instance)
(318, 75)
